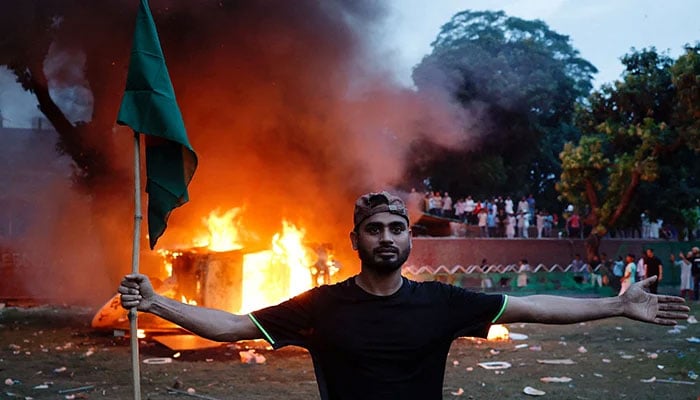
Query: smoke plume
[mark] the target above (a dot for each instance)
(291, 109)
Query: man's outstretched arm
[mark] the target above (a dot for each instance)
(136, 291)
(635, 304)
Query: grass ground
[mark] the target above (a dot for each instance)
(45, 350)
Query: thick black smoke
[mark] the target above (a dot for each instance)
(291, 109)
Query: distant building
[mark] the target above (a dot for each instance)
(29, 164)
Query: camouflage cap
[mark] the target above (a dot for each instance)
(373, 203)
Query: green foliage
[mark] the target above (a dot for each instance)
(640, 142)
(525, 79)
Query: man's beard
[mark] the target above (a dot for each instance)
(382, 267)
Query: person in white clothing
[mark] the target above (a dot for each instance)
(469, 207)
(447, 211)
(523, 224)
(523, 206)
(685, 265)
(483, 219)
(641, 269)
(509, 205)
(630, 275)
(510, 226)
(540, 222)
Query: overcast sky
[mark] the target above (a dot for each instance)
(601, 30)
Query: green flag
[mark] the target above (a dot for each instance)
(149, 107)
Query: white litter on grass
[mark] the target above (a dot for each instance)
(660, 366)
(565, 361)
(555, 379)
(517, 336)
(692, 319)
(597, 375)
(606, 360)
(495, 365)
(650, 380)
(693, 339)
(61, 369)
(521, 346)
(627, 356)
(459, 392)
(582, 350)
(529, 390)
(676, 382)
(158, 360)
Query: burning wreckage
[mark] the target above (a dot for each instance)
(219, 272)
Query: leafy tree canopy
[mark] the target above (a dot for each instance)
(640, 144)
(526, 79)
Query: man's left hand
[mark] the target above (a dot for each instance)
(640, 305)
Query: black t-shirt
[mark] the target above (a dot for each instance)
(696, 266)
(653, 264)
(379, 347)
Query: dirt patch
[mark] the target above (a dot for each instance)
(44, 350)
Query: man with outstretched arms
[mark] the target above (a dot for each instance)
(379, 335)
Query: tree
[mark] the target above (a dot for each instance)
(524, 81)
(37, 30)
(640, 136)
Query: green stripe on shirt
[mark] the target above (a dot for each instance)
(503, 309)
(264, 332)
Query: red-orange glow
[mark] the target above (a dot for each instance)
(275, 275)
(498, 333)
(224, 231)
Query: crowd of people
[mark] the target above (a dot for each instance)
(621, 273)
(500, 216)
(503, 216)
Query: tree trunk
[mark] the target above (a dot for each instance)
(592, 244)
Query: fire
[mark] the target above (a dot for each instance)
(224, 231)
(258, 279)
(168, 257)
(275, 275)
(498, 333)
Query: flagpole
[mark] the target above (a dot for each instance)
(133, 315)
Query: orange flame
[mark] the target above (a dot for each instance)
(266, 277)
(272, 276)
(184, 299)
(224, 231)
(498, 333)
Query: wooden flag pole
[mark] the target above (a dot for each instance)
(133, 315)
